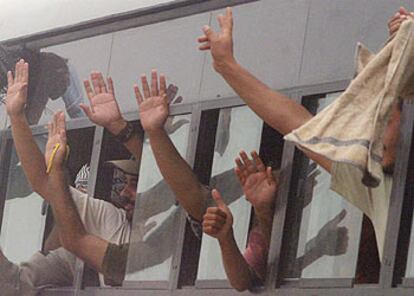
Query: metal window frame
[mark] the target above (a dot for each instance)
(397, 243)
(325, 287)
(121, 21)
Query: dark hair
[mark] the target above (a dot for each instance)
(47, 72)
(54, 73)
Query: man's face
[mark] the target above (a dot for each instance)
(390, 140)
(126, 193)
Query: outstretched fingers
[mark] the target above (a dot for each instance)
(163, 84)
(61, 125)
(21, 72)
(138, 95)
(111, 88)
(240, 175)
(88, 89)
(154, 83)
(258, 161)
(226, 21)
(145, 86)
(250, 166)
(10, 79)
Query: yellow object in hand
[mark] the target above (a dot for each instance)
(52, 157)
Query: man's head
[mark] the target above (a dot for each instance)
(390, 138)
(124, 185)
(55, 73)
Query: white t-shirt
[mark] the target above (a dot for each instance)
(57, 268)
(374, 202)
(101, 218)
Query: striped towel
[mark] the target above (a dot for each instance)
(350, 129)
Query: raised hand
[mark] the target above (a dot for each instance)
(257, 181)
(103, 109)
(153, 104)
(16, 98)
(218, 221)
(219, 43)
(55, 152)
(395, 21)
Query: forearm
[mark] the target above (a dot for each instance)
(237, 270)
(53, 241)
(64, 209)
(265, 221)
(178, 174)
(30, 156)
(280, 112)
(72, 232)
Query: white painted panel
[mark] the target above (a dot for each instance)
(22, 17)
(268, 41)
(169, 47)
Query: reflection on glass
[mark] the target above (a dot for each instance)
(330, 232)
(3, 113)
(51, 77)
(156, 217)
(330, 226)
(23, 223)
(238, 129)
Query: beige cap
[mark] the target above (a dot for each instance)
(129, 166)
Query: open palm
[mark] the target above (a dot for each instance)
(17, 89)
(103, 109)
(153, 102)
(257, 181)
(259, 189)
(153, 113)
(57, 136)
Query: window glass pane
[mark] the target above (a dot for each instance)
(57, 74)
(238, 129)
(330, 226)
(330, 229)
(23, 223)
(156, 219)
(3, 113)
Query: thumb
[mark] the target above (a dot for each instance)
(218, 199)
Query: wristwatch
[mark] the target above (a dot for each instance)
(126, 133)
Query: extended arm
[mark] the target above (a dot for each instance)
(259, 186)
(154, 111)
(29, 153)
(104, 111)
(280, 112)
(72, 232)
(218, 223)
